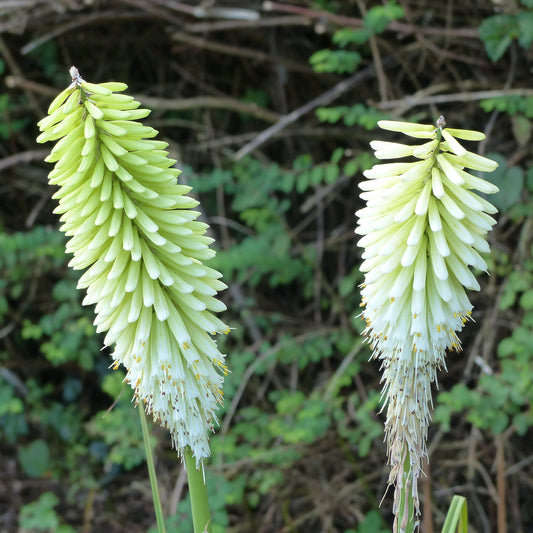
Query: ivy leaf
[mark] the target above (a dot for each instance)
(521, 129)
(510, 181)
(339, 61)
(34, 458)
(497, 33)
(378, 17)
(346, 36)
(525, 25)
(526, 300)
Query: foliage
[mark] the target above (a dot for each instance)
(345, 61)
(40, 515)
(61, 331)
(497, 32)
(503, 398)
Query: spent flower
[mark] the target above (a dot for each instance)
(422, 229)
(132, 227)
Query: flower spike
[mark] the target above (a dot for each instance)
(421, 230)
(133, 229)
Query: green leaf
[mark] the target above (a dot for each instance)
(34, 458)
(521, 129)
(378, 17)
(339, 61)
(346, 36)
(526, 300)
(525, 25)
(337, 155)
(497, 33)
(510, 181)
(457, 517)
(351, 168)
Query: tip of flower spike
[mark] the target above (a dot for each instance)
(76, 77)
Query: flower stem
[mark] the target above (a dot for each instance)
(201, 516)
(151, 470)
(406, 513)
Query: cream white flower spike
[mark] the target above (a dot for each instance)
(422, 228)
(131, 225)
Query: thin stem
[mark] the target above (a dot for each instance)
(201, 516)
(151, 470)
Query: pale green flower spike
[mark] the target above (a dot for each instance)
(132, 227)
(422, 227)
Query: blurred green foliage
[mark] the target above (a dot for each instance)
(40, 515)
(503, 399)
(498, 32)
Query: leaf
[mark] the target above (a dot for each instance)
(34, 458)
(497, 33)
(339, 61)
(521, 129)
(510, 181)
(378, 17)
(525, 25)
(526, 300)
(529, 178)
(346, 36)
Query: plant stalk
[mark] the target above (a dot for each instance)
(405, 519)
(151, 470)
(201, 516)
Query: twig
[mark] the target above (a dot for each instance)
(238, 51)
(323, 99)
(500, 482)
(80, 20)
(380, 74)
(179, 104)
(217, 102)
(22, 157)
(17, 71)
(413, 101)
(352, 22)
(224, 25)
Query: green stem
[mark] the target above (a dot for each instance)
(406, 512)
(151, 470)
(201, 516)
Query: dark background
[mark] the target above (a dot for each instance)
(301, 442)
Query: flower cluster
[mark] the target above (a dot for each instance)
(131, 225)
(422, 228)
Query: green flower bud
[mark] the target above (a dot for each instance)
(133, 228)
(422, 228)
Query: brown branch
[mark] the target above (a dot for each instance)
(22, 157)
(380, 74)
(500, 482)
(80, 20)
(416, 100)
(17, 71)
(217, 102)
(167, 104)
(352, 22)
(225, 25)
(321, 100)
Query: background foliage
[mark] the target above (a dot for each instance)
(300, 442)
